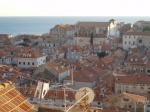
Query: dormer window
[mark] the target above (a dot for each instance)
(24, 55)
(29, 55)
(134, 69)
(101, 95)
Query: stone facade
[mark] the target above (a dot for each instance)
(100, 31)
(62, 32)
(141, 39)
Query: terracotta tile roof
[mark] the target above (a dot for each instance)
(146, 33)
(112, 96)
(135, 97)
(66, 26)
(141, 59)
(148, 64)
(31, 54)
(119, 53)
(141, 79)
(106, 47)
(134, 50)
(53, 64)
(62, 60)
(106, 83)
(75, 64)
(11, 100)
(102, 64)
(77, 49)
(57, 68)
(100, 72)
(109, 59)
(83, 76)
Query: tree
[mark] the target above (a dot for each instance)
(102, 54)
(147, 28)
(91, 38)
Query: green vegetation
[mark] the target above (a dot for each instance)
(147, 28)
(102, 54)
(91, 38)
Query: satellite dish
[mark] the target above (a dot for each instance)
(82, 92)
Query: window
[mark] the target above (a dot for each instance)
(125, 42)
(133, 42)
(136, 59)
(140, 41)
(129, 42)
(55, 94)
(134, 36)
(23, 63)
(119, 91)
(98, 103)
(148, 71)
(19, 63)
(32, 63)
(129, 36)
(131, 59)
(101, 95)
(130, 106)
(28, 63)
(125, 99)
(31, 98)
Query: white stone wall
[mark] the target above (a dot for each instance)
(63, 75)
(145, 41)
(5, 60)
(31, 62)
(18, 42)
(132, 88)
(129, 40)
(112, 30)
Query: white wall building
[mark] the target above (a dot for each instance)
(31, 59)
(136, 38)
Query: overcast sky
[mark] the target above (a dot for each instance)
(74, 8)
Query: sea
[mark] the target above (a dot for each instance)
(40, 25)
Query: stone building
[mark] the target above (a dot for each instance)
(31, 59)
(133, 84)
(126, 101)
(100, 30)
(62, 32)
(140, 39)
(141, 24)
